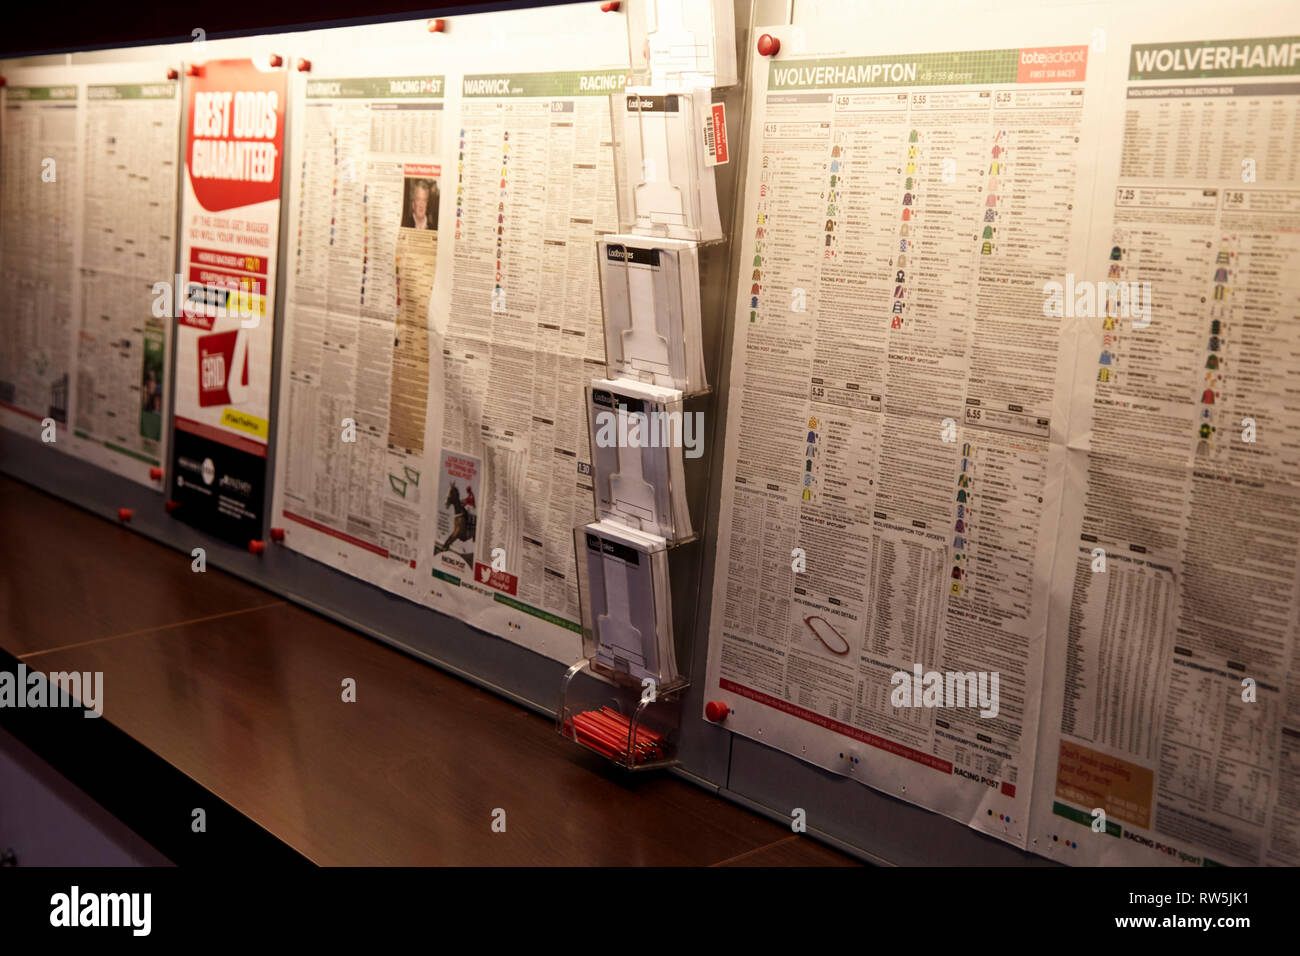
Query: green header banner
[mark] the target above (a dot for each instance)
(378, 87)
(569, 83)
(918, 69)
(41, 93)
(132, 91)
(1203, 59)
(1084, 819)
(537, 612)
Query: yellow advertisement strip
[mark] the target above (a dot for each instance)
(245, 304)
(244, 422)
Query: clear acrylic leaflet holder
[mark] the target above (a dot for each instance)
(610, 701)
(639, 438)
(650, 297)
(682, 42)
(665, 186)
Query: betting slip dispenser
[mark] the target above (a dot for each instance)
(664, 147)
(631, 609)
(682, 42)
(639, 436)
(650, 297)
(623, 699)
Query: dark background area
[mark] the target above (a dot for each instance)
(79, 25)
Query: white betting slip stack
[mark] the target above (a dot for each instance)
(636, 449)
(650, 293)
(631, 608)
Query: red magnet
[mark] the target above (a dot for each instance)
(768, 45)
(276, 60)
(155, 474)
(256, 547)
(716, 711)
(304, 65)
(172, 74)
(437, 26)
(170, 506)
(3, 81)
(610, 6)
(193, 69)
(123, 514)
(277, 535)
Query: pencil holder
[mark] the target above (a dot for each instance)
(633, 726)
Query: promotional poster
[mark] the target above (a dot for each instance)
(230, 214)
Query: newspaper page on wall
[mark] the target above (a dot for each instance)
(895, 443)
(516, 319)
(443, 313)
(89, 209)
(1171, 729)
(40, 218)
(123, 361)
(366, 187)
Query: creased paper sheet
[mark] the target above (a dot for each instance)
(1171, 727)
(89, 232)
(446, 200)
(895, 441)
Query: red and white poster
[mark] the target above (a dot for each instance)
(224, 295)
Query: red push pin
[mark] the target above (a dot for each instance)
(304, 65)
(277, 535)
(193, 69)
(256, 547)
(170, 506)
(610, 6)
(155, 474)
(768, 45)
(123, 514)
(437, 26)
(716, 711)
(276, 60)
(173, 74)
